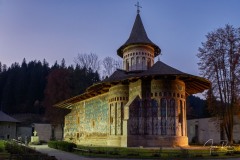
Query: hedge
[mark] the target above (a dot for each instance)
(62, 145)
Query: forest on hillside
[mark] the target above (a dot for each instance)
(35, 86)
(30, 87)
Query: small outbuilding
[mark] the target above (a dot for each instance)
(7, 126)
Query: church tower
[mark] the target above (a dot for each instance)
(138, 51)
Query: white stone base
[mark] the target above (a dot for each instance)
(34, 139)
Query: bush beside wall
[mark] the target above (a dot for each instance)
(62, 145)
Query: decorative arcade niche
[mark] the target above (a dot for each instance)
(147, 117)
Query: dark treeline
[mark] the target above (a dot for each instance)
(26, 87)
(197, 108)
(35, 86)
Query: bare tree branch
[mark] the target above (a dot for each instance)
(219, 62)
(88, 61)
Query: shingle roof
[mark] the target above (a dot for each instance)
(194, 84)
(6, 118)
(138, 36)
(160, 68)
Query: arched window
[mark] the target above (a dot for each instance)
(137, 63)
(134, 117)
(127, 65)
(132, 63)
(163, 116)
(181, 117)
(137, 60)
(155, 125)
(148, 63)
(143, 63)
(172, 115)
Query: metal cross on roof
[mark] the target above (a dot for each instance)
(138, 6)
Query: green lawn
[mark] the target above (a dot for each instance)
(3, 153)
(2, 146)
(112, 152)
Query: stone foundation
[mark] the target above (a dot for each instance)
(156, 141)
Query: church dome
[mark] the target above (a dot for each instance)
(138, 36)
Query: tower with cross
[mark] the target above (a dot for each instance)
(138, 7)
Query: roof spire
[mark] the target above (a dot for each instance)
(138, 6)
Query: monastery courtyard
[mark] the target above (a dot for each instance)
(62, 155)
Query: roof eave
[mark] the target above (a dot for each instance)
(157, 50)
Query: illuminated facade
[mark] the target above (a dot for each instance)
(144, 104)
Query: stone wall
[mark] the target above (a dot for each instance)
(7, 130)
(201, 130)
(157, 141)
(24, 131)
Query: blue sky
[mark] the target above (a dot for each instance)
(56, 29)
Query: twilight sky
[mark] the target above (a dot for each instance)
(56, 29)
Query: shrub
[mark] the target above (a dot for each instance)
(184, 153)
(62, 145)
(52, 144)
(2, 146)
(14, 148)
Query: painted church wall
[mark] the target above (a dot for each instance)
(155, 117)
(118, 98)
(135, 89)
(88, 121)
(170, 95)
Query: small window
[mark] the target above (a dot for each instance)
(155, 94)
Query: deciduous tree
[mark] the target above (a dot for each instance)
(219, 62)
(88, 61)
(57, 89)
(110, 65)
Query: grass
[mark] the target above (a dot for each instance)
(3, 153)
(145, 153)
(2, 146)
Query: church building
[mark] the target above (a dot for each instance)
(143, 104)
